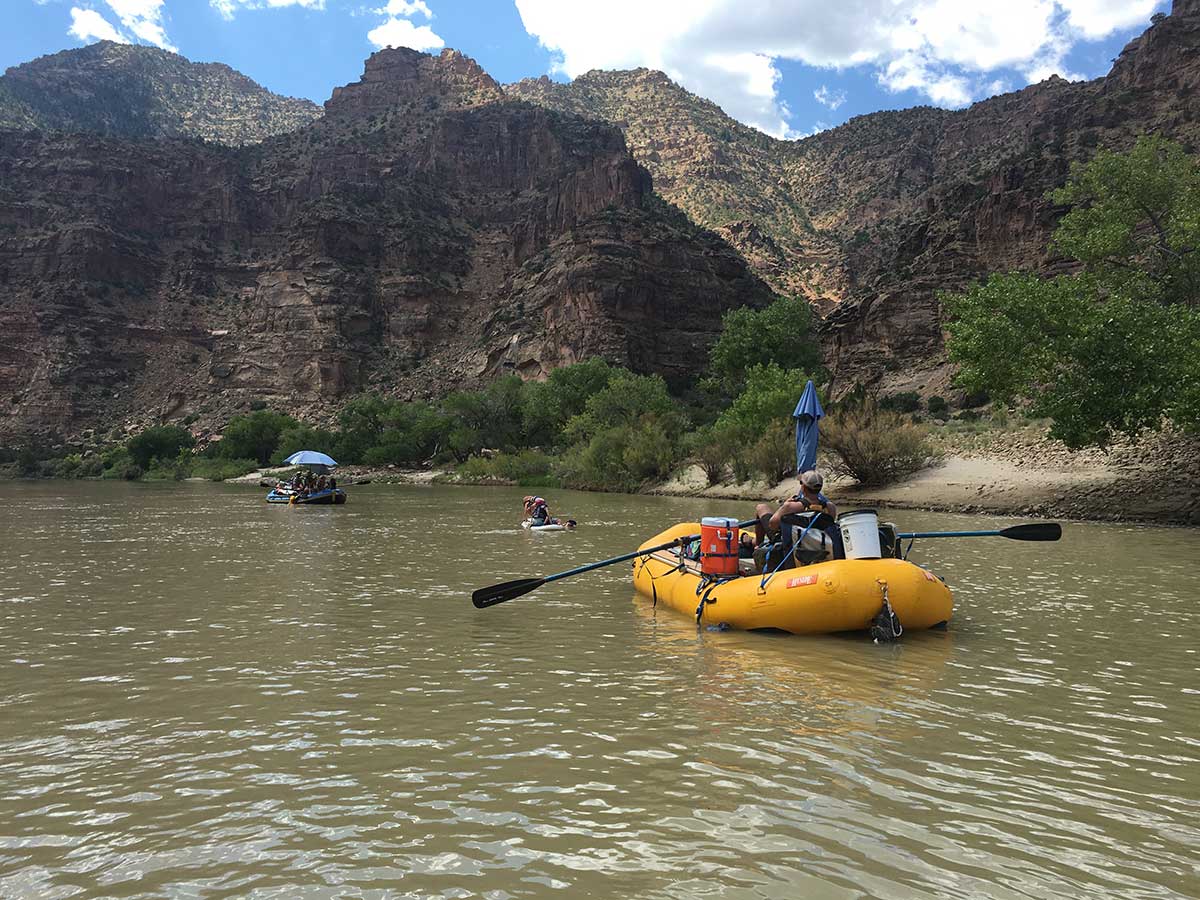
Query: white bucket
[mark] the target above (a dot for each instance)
(860, 534)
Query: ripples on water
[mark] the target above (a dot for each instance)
(201, 695)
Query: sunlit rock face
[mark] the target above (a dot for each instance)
(424, 235)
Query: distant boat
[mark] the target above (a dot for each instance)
(314, 461)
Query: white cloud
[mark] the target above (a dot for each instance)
(831, 98)
(400, 8)
(144, 19)
(403, 33)
(398, 31)
(88, 25)
(228, 8)
(141, 19)
(949, 50)
(1098, 18)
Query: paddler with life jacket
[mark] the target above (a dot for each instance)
(808, 507)
(537, 511)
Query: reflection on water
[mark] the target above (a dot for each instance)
(202, 695)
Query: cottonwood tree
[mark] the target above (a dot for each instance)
(1115, 347)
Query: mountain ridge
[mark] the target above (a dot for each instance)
(136, 91)
(410, 241)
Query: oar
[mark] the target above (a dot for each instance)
(1034, 531)
(510, 590)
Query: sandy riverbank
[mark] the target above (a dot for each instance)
(1021, 473)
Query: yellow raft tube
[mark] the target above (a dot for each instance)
(837, 595)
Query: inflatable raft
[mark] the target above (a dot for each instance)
(316, 498)
(825, 597)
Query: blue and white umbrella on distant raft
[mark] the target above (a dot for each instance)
(310, 458)
(808, 412)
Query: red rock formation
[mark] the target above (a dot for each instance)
(414, 240)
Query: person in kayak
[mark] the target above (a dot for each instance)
(808, 500)
(537, 511)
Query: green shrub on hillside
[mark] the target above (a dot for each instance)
(873, 445)
(904, 402)
(158, 443)
(773, 455)
(254, 436)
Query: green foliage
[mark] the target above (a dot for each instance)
(875, 446)
(1096, 365)
(488, 418)
(254, 436)
(905, 402)
(624, 401)
(1115, 348)
(548, 405)
(531, 467)
(1136, 221)
(623, 457)
(778, 335)
(938, 407)
(712, 449)
(158, 443)
(769, 396)
(773, 455)
(220, 469)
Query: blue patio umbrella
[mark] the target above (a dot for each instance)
(808, 412)
(309, 458)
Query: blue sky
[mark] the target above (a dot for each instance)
(787, 66)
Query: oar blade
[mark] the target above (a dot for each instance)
(1034, 531)
(509, 590)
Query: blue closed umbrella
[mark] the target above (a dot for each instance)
(309, 458)
(808, 412)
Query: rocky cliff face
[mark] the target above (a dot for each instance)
(135, 91)
(870, 220)
(425, 234)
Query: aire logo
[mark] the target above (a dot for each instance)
(802, 580)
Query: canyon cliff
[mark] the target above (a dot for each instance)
(177, 242)
(424, 234)
(872, 219)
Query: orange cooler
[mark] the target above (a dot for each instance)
(719, 546)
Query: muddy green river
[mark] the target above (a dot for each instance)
(205, 696)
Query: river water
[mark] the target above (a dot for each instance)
(205, 696)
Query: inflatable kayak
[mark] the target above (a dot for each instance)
(556, 525)
(825, 597)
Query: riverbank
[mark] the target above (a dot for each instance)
(1015, 471)
(1019, 472)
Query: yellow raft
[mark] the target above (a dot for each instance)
(838, 595)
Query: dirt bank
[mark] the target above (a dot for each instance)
(1021, 472)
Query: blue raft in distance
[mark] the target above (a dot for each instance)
(326, 497)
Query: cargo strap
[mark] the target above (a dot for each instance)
(680, 567)
(762, 585)
(705, 599)
(885, 627)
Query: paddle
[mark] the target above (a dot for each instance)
(1034, 531)
(510, 590)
